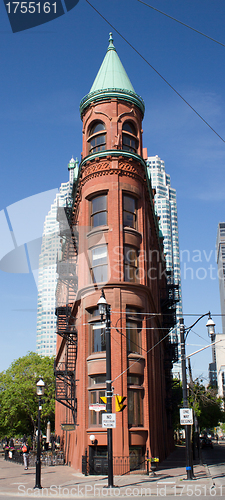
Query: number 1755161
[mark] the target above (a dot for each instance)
(30, 7)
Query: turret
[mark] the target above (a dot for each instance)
(112, 112)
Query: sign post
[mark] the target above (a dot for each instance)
(108, 420)
(186, 416)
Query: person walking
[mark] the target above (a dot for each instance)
(25, 450)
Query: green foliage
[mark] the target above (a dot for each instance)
(18, 398)
(206, 404)
(176, 402)
(222, 426)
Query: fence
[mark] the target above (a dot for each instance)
(47, 457)
(121, 465)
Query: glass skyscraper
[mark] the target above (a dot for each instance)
(220, 248)
(166, 208)
(47, 276)
(219, 348)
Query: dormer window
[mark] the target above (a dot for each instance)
(129, 135)
(97, 137)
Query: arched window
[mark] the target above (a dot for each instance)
(129, 135)
(97, 137)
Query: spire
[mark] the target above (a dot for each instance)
(111, 81)
(111, 74)
(73, 167)
(111, 46)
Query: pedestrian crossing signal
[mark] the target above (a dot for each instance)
(119, 402)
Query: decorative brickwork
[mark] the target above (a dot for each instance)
(120, 250)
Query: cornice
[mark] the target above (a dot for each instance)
(100, 168)
(114, 153)
(111, 93)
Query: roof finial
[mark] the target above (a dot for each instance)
(111, 46)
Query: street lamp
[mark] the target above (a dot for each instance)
(183, 335)
(104, 310)
(40, 392)
(210, 325)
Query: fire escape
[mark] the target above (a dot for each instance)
(65, 366)
(168, 306)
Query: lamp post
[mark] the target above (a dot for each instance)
(104, 310)
(40, 392)
(185, 401)
(210, 325)
(183, 335)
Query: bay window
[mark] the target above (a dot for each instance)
(129, 211)
(99, 264)
(99, 211)
(135, 407)
(133, 331)
(130, 263)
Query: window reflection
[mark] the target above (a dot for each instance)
(129, 211)
(99, 211)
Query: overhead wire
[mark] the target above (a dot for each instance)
(157, 72)
(126, 337)
(197, 334)
(132, 364)
(183, 24)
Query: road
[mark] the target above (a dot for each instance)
(163, 485)
(215, 460)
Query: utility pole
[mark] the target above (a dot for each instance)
(195, 436)
(104, 308)
(40, 392)
(185, 402)
(109, 395)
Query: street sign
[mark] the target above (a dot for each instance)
(109, 420)
(68, 427)
(97, 407)
(186, 416)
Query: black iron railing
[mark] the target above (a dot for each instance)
(98, 465)
(47, 457)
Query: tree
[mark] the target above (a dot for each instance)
(206, 404)
(176, 402)
(18, 398)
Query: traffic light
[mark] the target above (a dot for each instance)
(104, 399)
(119, 402)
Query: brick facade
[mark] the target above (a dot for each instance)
(115, 173)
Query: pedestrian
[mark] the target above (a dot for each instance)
(6, 443)
(25, 450)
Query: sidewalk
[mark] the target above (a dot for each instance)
(63, 482)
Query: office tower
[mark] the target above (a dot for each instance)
(220, 248)
(220, 365)
(166, 208)
(114, 202)
(220, 347)
(47, 276)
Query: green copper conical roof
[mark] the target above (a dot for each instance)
(112, 74)
(111, 81)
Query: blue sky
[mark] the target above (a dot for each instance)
(47, 70)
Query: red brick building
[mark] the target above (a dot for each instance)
(116, 245)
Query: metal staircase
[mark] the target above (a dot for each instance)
(65, 368)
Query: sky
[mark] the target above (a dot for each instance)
(46, 71)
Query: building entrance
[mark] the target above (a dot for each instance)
(98, 460)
